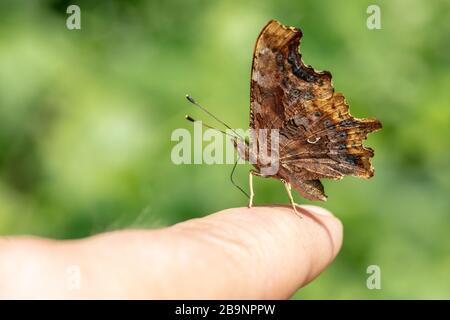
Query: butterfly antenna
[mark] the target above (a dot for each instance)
(191, 100)
(189, 118)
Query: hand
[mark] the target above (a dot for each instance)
(258, 253)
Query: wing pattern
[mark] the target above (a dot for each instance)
(318, 136)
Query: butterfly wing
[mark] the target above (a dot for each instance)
(280, 82)
(318, 136)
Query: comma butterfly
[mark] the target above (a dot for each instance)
(318, 138)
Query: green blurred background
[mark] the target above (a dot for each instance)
(86, 118)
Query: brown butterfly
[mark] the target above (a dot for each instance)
(318, 138)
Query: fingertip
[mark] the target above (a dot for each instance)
(269, 251)
(317, 210)
(314, 241)
(328, 223)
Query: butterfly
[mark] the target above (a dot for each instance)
(317, 136)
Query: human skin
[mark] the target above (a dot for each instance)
(259, 253)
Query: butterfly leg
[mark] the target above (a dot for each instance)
(252, 173)
(250, 185)
(288, 188)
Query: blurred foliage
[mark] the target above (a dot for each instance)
(86, 117)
